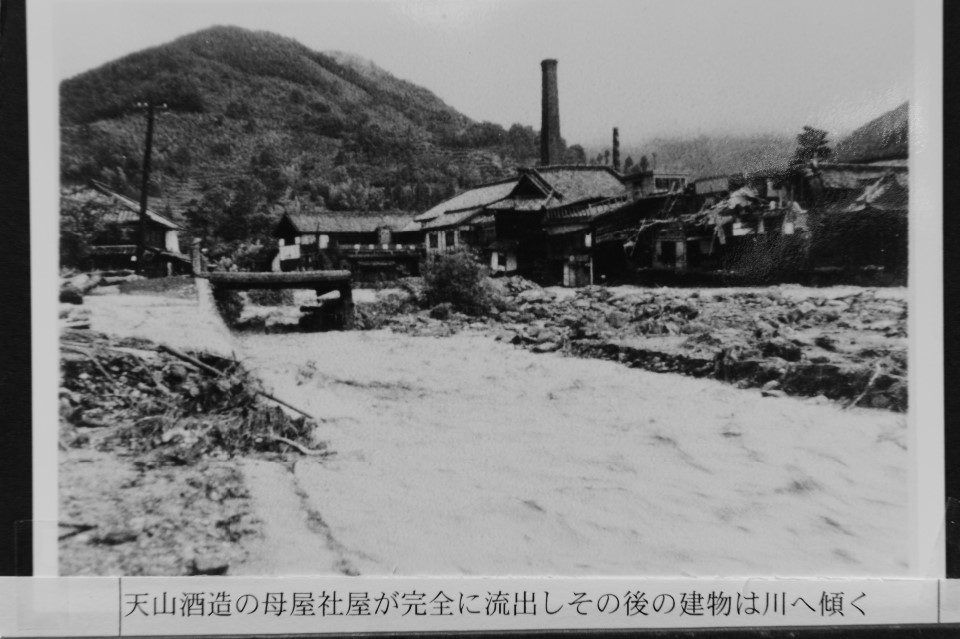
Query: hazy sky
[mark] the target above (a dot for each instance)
(650, 67)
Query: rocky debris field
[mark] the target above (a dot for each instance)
(842, 343)
(146, 433)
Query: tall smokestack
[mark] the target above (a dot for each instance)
(616, 149)
(550, 116)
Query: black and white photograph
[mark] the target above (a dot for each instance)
(487, 288)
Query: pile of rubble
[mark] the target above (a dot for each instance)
(170, 407)
(846, 344)
(73, 286)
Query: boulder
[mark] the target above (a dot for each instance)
(782, 348)
(71, 295)
(533, 295)
(826, 342)
(546, 347)
(617, 319)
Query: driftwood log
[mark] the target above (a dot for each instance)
(329, 280)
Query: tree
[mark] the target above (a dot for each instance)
(456, 279)
(627, 164)
(80, 224)
(606, 156)
(575, 155)
(811, 145)
(644, 164)
(523, 141)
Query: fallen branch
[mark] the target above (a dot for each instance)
(303, 449)
(190, 360)
(218, 373)
(267, 395)
(96, 361)
(77, 529)
(89, 423)
(156, 382)
(870, 383)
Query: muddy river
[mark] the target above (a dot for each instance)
(462, 456)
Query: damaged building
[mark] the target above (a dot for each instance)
(113, 246)
(577, 225)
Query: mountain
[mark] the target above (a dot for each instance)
(255, 122)
(709, 155)
(883, 138)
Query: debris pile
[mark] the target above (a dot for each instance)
(172, 407)
(846, 344)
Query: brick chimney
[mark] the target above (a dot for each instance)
(616, 149)
(550, 117)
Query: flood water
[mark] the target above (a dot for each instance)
(462, 455)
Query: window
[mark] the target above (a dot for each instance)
(449, 239)
(434, 239)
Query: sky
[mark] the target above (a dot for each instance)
(649, 67)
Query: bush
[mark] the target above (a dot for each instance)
(229, 303)
(457, 279)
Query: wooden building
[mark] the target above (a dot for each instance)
(114, 243)
(542, 226)
(462, 221)
(374, 245)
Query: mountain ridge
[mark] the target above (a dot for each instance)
(255, 123)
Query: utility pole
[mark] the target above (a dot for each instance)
(144, 183)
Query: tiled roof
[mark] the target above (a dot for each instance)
(567, 185)
(471, 198)
(585, 211)
(349, 221)
(526, 203)
(120, 209)
(451, 219)
(583, 182)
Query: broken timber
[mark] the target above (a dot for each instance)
(320, 281)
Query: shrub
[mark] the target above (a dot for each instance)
(229, 303)
(458, 279)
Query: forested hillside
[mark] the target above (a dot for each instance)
(255, 123)
(884, 138)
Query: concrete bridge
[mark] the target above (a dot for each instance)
(320, 281)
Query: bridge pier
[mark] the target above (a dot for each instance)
(346, 306)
